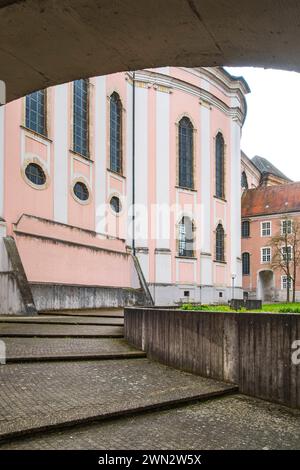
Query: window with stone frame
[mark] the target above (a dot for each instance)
(186, 153)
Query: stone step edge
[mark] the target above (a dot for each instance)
(77, 357)
(164, 405)
(63, 313)
(56, 336)
(56, 322)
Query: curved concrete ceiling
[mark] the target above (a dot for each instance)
(45, 42)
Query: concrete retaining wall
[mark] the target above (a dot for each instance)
(62, 296)
(251, 350)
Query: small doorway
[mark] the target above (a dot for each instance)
(265, 287)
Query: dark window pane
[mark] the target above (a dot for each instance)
(35, 174)
(186, 144)
(80, 117)
(115, 204)
(246, 263)
(244, 181)
(220, 167)
(220, 253)
(115, 133)
(245, 229)
(81, 191)
(36, 112)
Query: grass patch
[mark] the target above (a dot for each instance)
(267, 308)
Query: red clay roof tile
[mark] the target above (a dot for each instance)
(267, 200)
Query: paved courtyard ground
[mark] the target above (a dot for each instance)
(74, 374)
(232, 422)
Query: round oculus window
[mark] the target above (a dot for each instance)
(81, 191)
(35, 174)
(115, 204)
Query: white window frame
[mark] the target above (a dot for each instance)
(262, 229)
(284, 282)
(261, 254)
(282, 222)
(291, 248)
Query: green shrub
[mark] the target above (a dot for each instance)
(266, 308)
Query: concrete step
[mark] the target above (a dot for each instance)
(66, 349)
(62, 320)
(20, 330)
(76, 357)
(51, 395)
(107, 312)
(233, 422)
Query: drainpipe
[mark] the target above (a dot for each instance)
(133, 164)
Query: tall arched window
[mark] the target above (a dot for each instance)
(36, 112)
(220, 166)
(246, 264)
(220, 236)
(186, 237)
(186, 151)
(81, 117)
(244, 180)
(115, 133)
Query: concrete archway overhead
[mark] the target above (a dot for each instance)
(45, 42)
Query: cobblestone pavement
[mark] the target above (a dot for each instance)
(68, 320)
(33, 395)
(232, 422)
(53, 347)
(47, 330)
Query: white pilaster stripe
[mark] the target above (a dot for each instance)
(235, 200)
(129, 162)
(2, 114)
(205, 180)
(61, 153)
(141, 166)
(100, 154)
(162, 169)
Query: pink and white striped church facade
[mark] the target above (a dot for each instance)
(76, 247)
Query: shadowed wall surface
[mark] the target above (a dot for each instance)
(46, 42)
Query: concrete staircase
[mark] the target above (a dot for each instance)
(71, 368)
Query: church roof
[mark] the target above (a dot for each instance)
(265, 167)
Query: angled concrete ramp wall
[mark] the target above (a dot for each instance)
(15, 295)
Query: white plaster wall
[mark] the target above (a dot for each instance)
(162, 170)
(100, 154)
(144, 263)
(164, 70)
(2, 113)
(141, 166)
(61, 153)
(235, 201)
(205, 181)
(206, 271)
(172, 294)
(129, 162)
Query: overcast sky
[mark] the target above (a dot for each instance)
(272, 127)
